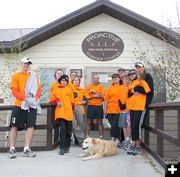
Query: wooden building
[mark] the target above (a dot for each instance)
(96, 39)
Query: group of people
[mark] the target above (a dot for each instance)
(124, 104)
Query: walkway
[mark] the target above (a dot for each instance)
(49, 164)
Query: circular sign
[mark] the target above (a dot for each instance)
(102, 46)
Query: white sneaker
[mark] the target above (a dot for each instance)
(12, 153)
(28, 153)
(117, 142)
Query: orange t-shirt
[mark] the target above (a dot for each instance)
(65, 95)
(99, 89)
(123, 95)
(80, 96)
(137, 101)
(112, 97)
(53, 86)
(18, 85)
(71, 86)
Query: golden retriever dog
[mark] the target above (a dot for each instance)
(95, 148)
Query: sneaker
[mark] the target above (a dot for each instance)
(130, 150)
(117, 142)
(127, 145)
(101, 137)
(76, 142)
(121, 145)
(134, 151)
(61, 152)
(66, 150)
(12, 153)
(28, 153)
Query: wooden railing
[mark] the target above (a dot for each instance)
(158, 130)
(48, 126)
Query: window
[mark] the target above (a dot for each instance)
(46, 79)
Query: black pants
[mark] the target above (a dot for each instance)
(136, 123)
(65, 133)
(114, 121)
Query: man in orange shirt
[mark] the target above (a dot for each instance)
(95, 95)
(63, 98)
(23, 119)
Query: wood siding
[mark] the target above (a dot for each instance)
(64, 50)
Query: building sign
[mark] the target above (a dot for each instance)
(102, 46)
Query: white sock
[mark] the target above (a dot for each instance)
(127, 139)
(26, 148)
(12, 148)
(112, 138)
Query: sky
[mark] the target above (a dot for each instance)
(37, 13)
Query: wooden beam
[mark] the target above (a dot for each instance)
(1, 100)
(172, 139)
(159, 124)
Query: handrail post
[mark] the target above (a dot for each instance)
(146, 133)
(178, 123)
(159, 124)
(56, 130)
(49, 131)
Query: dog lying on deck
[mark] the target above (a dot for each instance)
(95, 148)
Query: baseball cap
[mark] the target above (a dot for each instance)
(121, 69)
(139, 63)
(115, 75)
(26, 60)
(131, 71)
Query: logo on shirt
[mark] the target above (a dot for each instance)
(13, 120)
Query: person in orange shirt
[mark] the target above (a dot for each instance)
(124, 117)
(132, 74)
(21, 118)
(57, 74)
(63, 98)
(122, 73)
(73, 74)
(139, 91)
(111, 107)
(78, 124)
(95, 96)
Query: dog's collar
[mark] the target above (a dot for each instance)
(84, 148)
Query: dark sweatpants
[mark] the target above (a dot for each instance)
(136, 122)
(114, 122)
(65, 133)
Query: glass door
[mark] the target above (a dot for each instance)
(104, 74)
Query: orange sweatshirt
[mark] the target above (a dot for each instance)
(65, 96)
(53, 86)
(18, 85)
(71, 86)
(137, 101)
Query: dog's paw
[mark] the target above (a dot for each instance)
(80, 155)
(85, 158)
